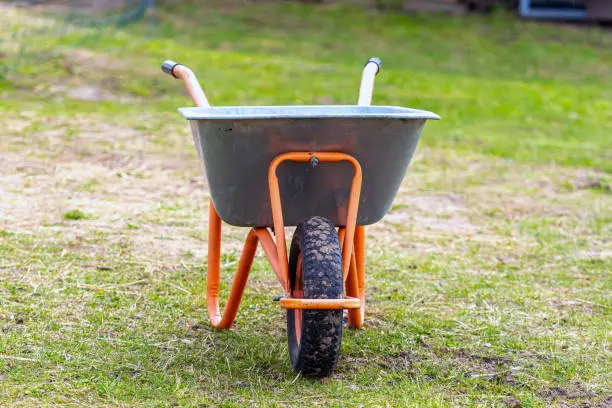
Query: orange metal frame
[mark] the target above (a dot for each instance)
(352, 241)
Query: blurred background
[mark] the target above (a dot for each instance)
(489, 277)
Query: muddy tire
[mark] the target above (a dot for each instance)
(315, 272)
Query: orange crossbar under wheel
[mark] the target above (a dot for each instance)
(352, 240)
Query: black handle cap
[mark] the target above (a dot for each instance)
(168, 67)
(377, 61)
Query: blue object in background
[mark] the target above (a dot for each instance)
(527, 10)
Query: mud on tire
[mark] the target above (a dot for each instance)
(315, 271)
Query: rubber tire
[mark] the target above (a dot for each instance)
(316, 353)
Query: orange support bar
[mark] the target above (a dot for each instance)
(214, 266)
(355, 284)
(352, 252)
(351, 284)
(277, 211)
(256, 235)
(269, 247)
(346, 303)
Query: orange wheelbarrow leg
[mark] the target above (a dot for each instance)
(355, 281)
(214, 266)
(256, 235)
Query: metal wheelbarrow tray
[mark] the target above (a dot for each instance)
(238, 144)
(329, 170)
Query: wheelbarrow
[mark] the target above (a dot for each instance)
(329, 171)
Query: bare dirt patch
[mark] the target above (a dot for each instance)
(416, 217)
(85, 93)
(81, 84)
(491, 368)
(89, 61)
(571, 394)
(156, 198)
(448, 201)
(596, 254)
(156, 202)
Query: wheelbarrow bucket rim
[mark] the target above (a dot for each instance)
(305, 112)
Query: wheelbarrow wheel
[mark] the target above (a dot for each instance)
(315, 272)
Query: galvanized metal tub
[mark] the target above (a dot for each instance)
(237, 145)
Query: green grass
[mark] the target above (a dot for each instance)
(75, 215)
(488, 280)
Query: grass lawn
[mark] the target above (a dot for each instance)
(488, 281)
